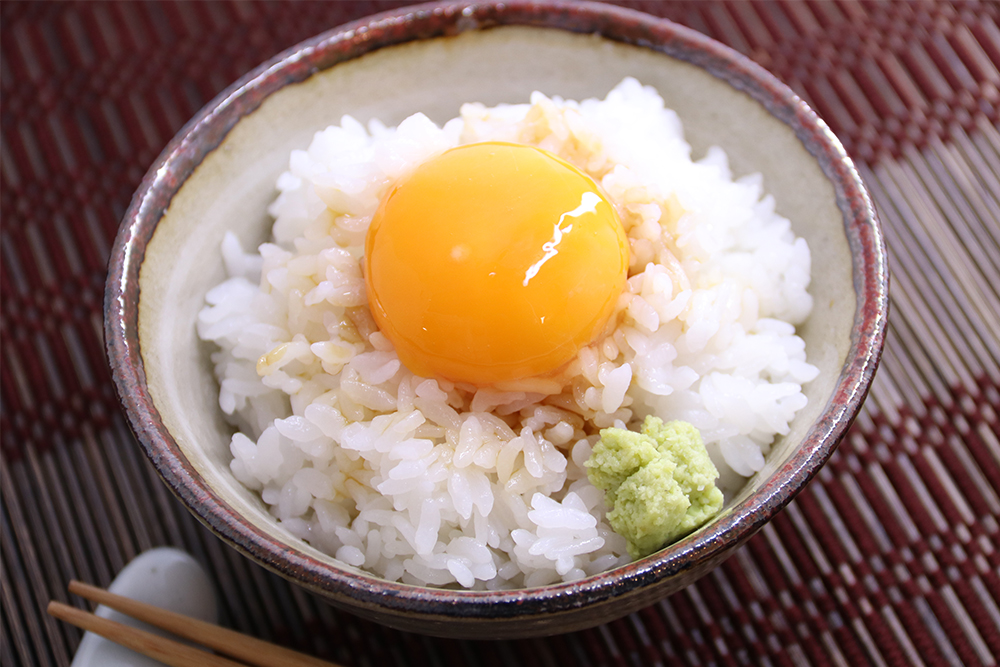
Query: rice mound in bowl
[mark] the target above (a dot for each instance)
(431, 483)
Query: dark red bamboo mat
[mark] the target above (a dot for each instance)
(889, 557)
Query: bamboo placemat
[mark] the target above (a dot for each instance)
(889, 557)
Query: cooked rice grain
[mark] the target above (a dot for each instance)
(426, 482)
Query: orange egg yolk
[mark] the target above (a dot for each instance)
(493, 262)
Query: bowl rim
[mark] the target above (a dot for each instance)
(208, 128)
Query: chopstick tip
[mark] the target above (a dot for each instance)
(56, 609)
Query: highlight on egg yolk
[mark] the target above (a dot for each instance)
(493, 262)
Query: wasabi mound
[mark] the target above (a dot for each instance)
(660, 483)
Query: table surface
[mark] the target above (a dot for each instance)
(890, 556)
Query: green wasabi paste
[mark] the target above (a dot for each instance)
(659, 483)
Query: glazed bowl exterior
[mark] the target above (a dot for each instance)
(218, 175)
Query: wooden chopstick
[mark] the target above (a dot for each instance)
(250, 650)
(165, 650)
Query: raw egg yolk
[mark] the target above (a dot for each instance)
(493, 262)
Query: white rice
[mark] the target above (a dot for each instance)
(425, 482)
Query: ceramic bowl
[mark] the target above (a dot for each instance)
(219, 175)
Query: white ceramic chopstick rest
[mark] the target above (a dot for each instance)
(165, 577)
